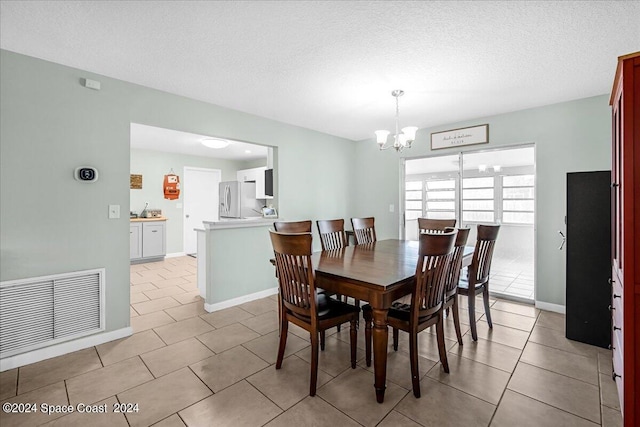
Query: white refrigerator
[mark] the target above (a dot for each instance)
(238, 200)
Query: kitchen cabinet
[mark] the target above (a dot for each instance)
(258, 176)
(135, 240)
(625, 242)
(147, 239)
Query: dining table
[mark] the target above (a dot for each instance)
(379, 273)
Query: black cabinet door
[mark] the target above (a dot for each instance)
(588, 318)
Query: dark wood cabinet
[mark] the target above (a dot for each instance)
(588, 318)
(625, 236)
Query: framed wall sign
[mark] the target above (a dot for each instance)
(459, 137)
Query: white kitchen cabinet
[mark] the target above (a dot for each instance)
(147, 240)
(135, 240)
(256, 175)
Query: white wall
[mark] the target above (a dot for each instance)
(569, 137)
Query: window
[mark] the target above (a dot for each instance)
(413, 199)
(478, 199)
(440, 199)
(517, 199)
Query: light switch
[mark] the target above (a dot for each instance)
(392, 208)
(114, 211)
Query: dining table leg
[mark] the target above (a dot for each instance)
(380, 342)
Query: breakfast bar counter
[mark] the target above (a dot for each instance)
(233, 262)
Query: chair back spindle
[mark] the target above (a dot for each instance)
(483, 254)
(364, 230)
(453, 276)
(433, 266)
(332, 235)
(295, 272)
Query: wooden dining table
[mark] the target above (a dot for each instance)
(379, 273)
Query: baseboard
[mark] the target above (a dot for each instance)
(63, 348)
(240, 300)
(175, 255)
(509, 297)
(556, 308)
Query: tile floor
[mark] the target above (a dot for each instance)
(513, 279)
(184, 366)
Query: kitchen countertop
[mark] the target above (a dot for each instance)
(159, 218)
(239, 223)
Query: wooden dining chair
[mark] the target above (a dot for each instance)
(332, 235)
(364, 230)
(427, 225)
(477, 279)
(292, 226)
(426, 307)
(453, 276)
(301, 304)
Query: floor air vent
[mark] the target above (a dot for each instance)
(42, 311)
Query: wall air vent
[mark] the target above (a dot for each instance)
(43, 311)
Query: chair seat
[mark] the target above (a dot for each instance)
(329, 308)
(399, 310)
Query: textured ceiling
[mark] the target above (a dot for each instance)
(330, 66)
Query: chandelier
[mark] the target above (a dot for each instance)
(401, 140)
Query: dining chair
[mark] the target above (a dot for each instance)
(332, 235)
(427, 225)
(477, 279)
(301, 304)
(292, 226)
(453, 276)
(426, 307)
(364, 230)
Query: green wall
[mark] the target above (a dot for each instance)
(569, 137)
(153, 165)
(50, 124)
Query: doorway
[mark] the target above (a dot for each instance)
(200, 187)
(490, 186)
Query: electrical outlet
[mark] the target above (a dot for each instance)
(114, 211)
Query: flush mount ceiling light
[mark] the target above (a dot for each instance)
(401, 140)
(215, 143)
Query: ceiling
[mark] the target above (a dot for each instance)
(172, 141)
(331, 66)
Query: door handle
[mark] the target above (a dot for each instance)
(564, 240)
(187, 216)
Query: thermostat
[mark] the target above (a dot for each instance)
(86, 174)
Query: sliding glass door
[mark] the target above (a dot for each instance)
(495, 186)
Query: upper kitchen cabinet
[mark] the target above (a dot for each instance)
(256, 175)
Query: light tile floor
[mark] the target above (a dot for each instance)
(512, 278)
(184, 366)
